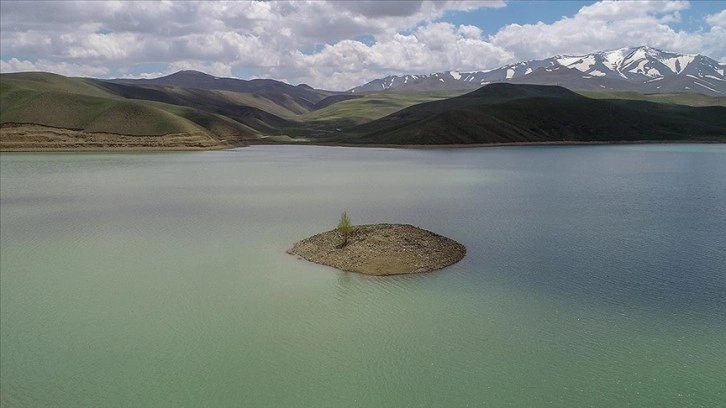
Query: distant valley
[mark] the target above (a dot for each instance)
(638, 94)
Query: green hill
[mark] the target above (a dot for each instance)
(81, 104)
(332, 119)
(365, 108)
(497, 113)
(93, 114)
(298, 99)
(507, 113)
(682, 98)
(254, 111)
(47, 82)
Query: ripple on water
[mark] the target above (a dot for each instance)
(593, 277)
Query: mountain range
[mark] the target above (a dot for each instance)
(299, 99)
(640, 69)
(191, 109)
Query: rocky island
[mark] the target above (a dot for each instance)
(381, 249)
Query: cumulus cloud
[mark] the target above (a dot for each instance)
(430, 48)
(319, 42)
(268, 36)
(594, 27)
(374, 9)
(717, 20)
(715, 39)
(62, 68)
(608, 25)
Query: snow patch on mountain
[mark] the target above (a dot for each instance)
(583, 64)
(679, 63)
(567, 61)
(639, 55)
(613, 58)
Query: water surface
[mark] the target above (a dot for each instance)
(594, 277)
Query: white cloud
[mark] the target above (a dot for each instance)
(308, 21)
(318, 42)
(598, 26)
(430, 48)
(609, 25)
(147, 75)
(717, 20)
(470, 32)
(101, 47)
(715, 38)
(62, 68)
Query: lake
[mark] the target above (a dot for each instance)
(595, 276)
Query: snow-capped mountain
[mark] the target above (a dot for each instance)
(642, 69)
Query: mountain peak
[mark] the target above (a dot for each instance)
(190, 73)
(511, 91)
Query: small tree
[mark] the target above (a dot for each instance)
(345, 227)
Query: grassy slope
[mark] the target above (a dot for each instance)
(372, 106)
(204, 99)
(334, 119)
(502, 113)
(511, 114)
(252, 111)
(47, 82)
(688, 99)
(90, 113)
(79, 104)
(298, 99)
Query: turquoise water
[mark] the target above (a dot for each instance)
(595, 276)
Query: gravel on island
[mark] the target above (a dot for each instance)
(381, 249)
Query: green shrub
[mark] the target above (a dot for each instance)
(345, 227)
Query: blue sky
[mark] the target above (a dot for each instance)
(519, 12)
(548, 12)
(337, 44)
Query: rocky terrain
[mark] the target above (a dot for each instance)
(382, 249)
(16, 137)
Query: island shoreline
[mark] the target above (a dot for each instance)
(381, 250)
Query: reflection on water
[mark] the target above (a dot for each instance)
(594, 276)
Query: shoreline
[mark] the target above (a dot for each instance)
(505, 144)
(14, 138)
(249, 143)
(40, 138)
(124, 149)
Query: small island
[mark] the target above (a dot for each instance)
(381, 249)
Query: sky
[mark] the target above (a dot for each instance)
(337, 45)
